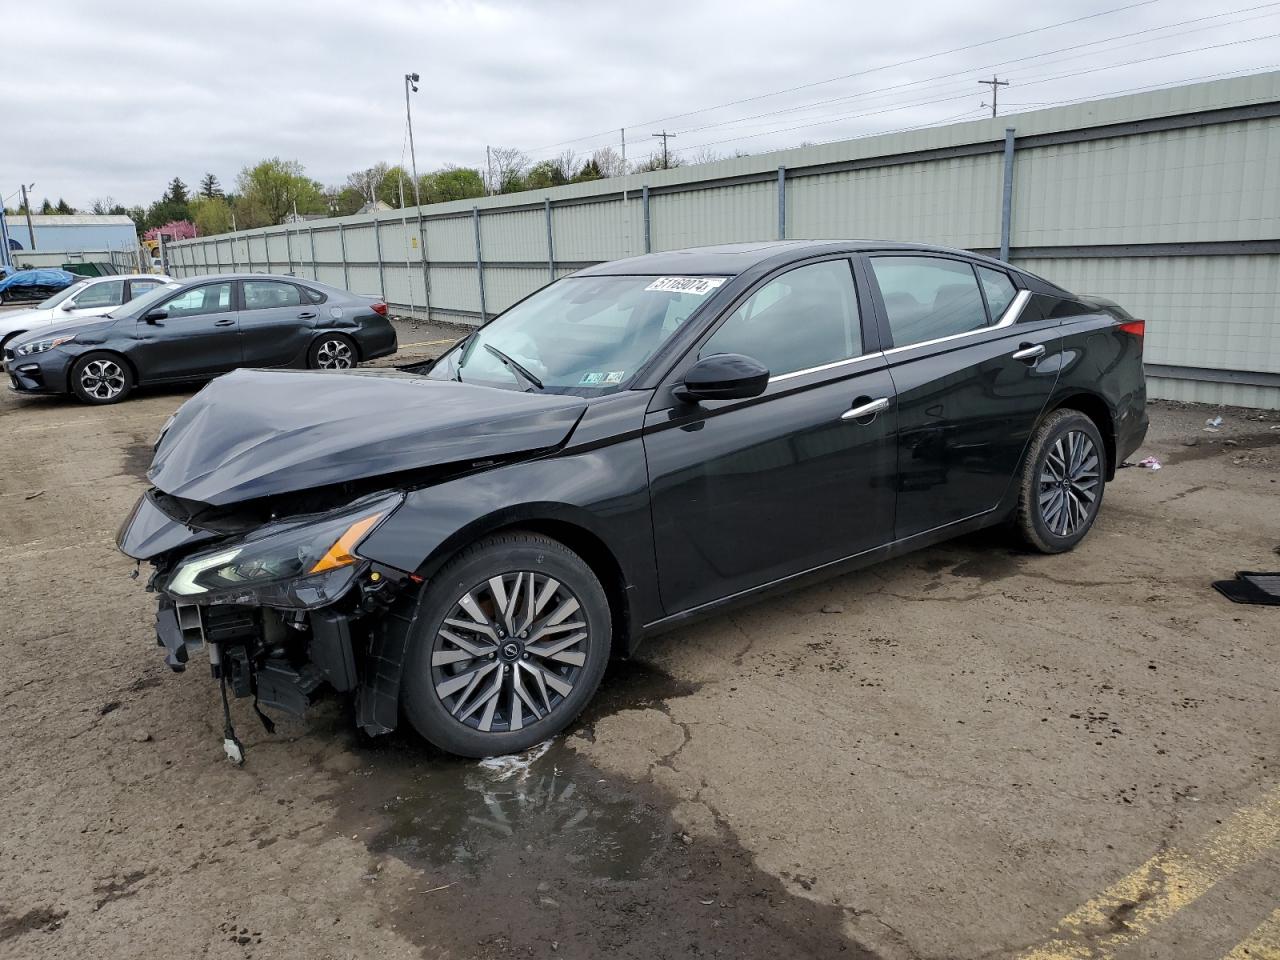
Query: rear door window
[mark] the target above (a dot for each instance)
(999, 290)
(107, 294)
(805, 318)
(927, 298)
(138, 287)
(265, 294)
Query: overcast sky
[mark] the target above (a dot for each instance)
(114, 99)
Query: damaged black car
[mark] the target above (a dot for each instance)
(466, 543)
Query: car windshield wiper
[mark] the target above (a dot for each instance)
(514, 367)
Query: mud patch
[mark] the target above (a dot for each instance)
(137, 459)
(550, 856)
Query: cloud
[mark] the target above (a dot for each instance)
(115, 102)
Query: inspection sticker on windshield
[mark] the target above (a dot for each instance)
(594, 379)
(698, 286)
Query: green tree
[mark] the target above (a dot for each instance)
(210, 187)
(344, 201)
(46, 208)
(64, 208)
(543, 175)
(273, 189)
(211, 215)
(389, 188)
(139, 218)
(590, 171)
(455, 183)
(176, 192)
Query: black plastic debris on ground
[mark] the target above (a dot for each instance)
(1251, 587)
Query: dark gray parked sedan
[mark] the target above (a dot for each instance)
(198, 328)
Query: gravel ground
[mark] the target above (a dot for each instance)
(969, 752)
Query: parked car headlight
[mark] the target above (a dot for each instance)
(300, 564)
(40, 346)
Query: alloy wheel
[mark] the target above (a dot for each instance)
(102, 379)
(509, 652)
(334, 355)
(1069, 479)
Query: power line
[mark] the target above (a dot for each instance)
(859, 73)
(1022, 83)
(1038, 57)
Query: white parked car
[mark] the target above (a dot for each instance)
(90, 297)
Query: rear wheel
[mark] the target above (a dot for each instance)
(101, 378)
(333, 351)
(511, 641)
(1062, 482)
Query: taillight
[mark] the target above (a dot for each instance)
(380, 309)
(1135, 328)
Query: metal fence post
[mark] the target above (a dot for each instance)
(377, 250)
(311, 240)
(342, 248)
(644, 205)
(408, 271)
(475, 220)
(426, 267)
(551, 244)
(782, 203)
(1006, 207)
(288, 249)
(235, 263)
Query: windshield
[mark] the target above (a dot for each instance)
(144, 302)
(61, 295)
(585, 336)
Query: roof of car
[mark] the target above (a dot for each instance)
(731, 259)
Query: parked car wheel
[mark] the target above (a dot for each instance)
(101, 378)
(333, 351)
(1062, 482)
(511, 642)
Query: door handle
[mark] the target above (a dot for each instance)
(1029, 351)
(307, 315)
(868, 409)
(225, 323)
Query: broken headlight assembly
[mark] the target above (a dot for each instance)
(295, 564)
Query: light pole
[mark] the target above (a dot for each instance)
(26, 206)
(411, 83)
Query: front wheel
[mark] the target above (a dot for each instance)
(101, 378)
(333, 351)
(1062, 482)
(511, 641)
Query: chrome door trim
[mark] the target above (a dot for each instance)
(1007, 319)
(826, 366)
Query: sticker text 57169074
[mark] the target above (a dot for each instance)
(699, 286)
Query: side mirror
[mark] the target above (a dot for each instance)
(155, 316)
(723, 376)
(68, 305)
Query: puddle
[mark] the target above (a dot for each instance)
(546, 853)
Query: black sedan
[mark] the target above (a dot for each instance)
(199, 328)
(632, 447)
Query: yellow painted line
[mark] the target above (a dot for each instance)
(427, 343)
(1133, 906)
(1262, 944)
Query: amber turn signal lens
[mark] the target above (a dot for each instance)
(340, 555)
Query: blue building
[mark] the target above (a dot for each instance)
(76, 233)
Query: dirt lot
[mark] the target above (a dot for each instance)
(970, 752)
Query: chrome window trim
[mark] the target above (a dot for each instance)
(826, 366)
(1007, 319)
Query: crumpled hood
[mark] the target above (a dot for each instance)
(256, 433)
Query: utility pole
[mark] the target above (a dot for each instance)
(411, 81)
(623, 131)
(26, 205)
(665, 137)
(995, 83)
(488, 165)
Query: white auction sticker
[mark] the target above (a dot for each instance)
(698, 286)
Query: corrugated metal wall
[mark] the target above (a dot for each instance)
(1168, 202)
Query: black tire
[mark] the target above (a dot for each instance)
(1062, 483)
(101, 378)
(445, 700)
(333, 351)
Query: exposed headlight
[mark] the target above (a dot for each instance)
(299, 564)
(40, 346)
